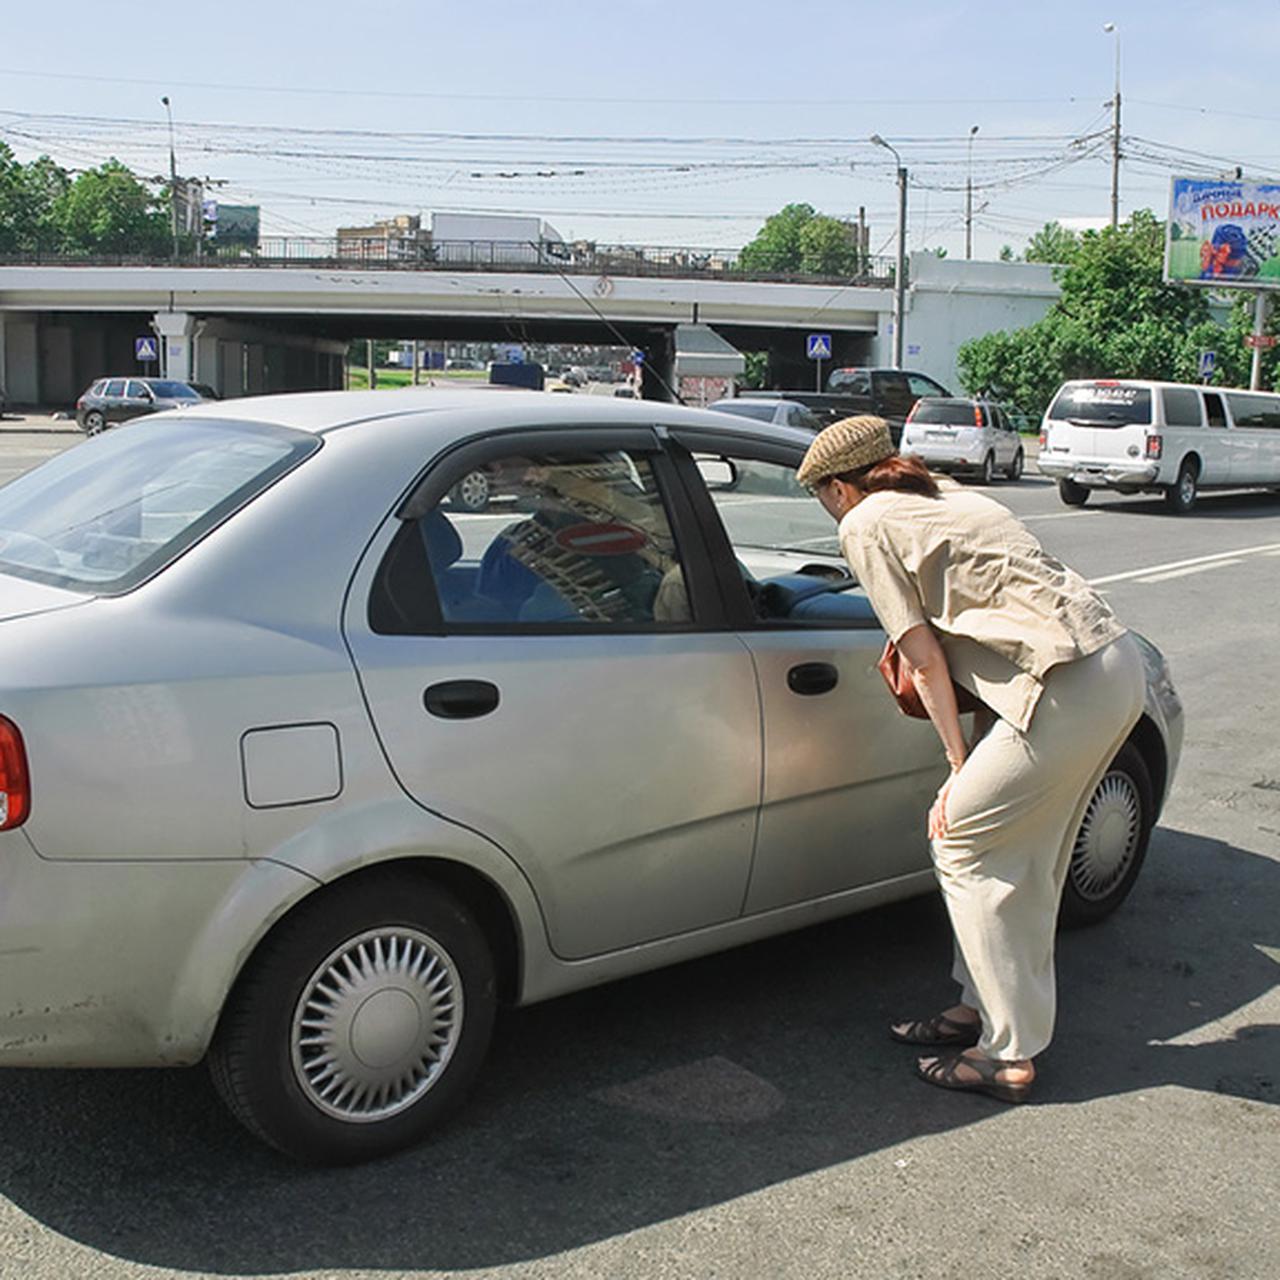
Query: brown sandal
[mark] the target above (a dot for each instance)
(943, 1074)
(939, 1030)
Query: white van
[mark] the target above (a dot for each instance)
(1166, 437)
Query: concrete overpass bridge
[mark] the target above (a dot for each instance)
(251, 325)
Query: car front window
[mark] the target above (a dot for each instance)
(107, 514)
(174, 391)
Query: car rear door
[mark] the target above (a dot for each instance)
(848, 779)
(555, 674)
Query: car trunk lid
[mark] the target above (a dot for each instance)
(1099, 421)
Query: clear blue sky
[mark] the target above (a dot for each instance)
(1032, 76)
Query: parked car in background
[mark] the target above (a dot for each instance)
(968, 436)
(112, 400)
(888, 393)
(305, 771)
(204, 390)
(782, 413)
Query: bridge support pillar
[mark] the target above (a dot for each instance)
(175, 329)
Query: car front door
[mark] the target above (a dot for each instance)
(554, 674)
(848, 779)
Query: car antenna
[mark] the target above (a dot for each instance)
(613, 329)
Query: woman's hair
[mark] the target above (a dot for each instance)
(903, 472)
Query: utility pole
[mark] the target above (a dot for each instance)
(173, 177)
(900, 272)
(1261, 305)
(1110, 28)
(968, 201)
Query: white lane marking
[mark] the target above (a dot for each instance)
(1059, 515)
(1195, 568)
(1264, 549)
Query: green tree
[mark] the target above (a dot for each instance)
(1052, 243)
(1115, 318)
(777, 247)
(828, 247)
(27, 196)
(107, 210)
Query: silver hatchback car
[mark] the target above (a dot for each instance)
(304, 769)
(956, 434)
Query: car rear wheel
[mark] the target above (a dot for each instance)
(360, 1024)
(471, 493)
(1181, 495)
(988, 472)
(1074, 495)
(1111, 843)
(1014, 469)
(94, 421)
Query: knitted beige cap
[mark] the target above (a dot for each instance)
(846, 445)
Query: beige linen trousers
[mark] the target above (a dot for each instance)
(1012, 815)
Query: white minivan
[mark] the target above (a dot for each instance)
(1165, 437)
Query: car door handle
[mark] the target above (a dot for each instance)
(461, 699)
(810, 678)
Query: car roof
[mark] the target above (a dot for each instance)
(469, 410)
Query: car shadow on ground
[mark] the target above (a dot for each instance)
(1241, 504)
(629, 1105)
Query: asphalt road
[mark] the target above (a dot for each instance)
(746, 1115)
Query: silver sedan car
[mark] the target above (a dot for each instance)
(304, 769)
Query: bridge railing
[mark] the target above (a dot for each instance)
(391, 253)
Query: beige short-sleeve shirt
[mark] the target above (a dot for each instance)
(1004, 609)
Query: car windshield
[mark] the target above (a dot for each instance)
(110, 512)
(173, 391)
(761, 410)
(1100, 404)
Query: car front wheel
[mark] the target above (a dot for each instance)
(1111, 842)
(360, 1024)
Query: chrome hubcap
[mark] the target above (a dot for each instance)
(474, 488)
(377, 1023)
(1108, 838)
(1188, 486)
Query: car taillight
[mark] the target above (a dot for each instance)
(1155, 446)
(977, 416)
(15, 781)
(1044, 437)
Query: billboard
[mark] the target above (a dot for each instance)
(236, 224)
(1223, 232)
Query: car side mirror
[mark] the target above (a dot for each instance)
(718, 473)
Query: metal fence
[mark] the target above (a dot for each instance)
(582, 258)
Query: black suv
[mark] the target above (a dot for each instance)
(112, 400)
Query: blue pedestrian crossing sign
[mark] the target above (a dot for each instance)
(146, 350)
(1207, 360)
(818, 346)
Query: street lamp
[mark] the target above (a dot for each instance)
(968, 201)
(173, 178)
(900, 273)
(1111, 29)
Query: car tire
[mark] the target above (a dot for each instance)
(1074, 495)
(94, 421)
(1014, 469)
(1180, 497)
(472, 492)
(988, 472)
(1111, 843)
(361, 1022)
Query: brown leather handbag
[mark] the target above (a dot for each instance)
(897, 675)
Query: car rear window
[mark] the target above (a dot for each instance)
(109, 513)
(856, 382)
(762, 412)
(173, 390)
(1102, 404)
(958, 413)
